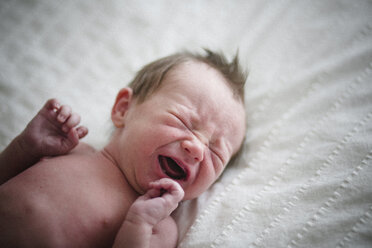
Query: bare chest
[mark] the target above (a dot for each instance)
(70, 199)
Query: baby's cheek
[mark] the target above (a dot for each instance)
(200, 185)
(171, 134)
(217, 164)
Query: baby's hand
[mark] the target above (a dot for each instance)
(159, 202)
(139, 226)
(53, 131)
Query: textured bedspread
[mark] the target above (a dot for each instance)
(305, 178)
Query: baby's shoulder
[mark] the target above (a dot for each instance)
(82, 152)
(83, 148)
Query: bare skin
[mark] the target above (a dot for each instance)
(172, 146)
(53, 131)
(78, 198)
(147, 211)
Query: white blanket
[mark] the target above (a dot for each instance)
(305, 178)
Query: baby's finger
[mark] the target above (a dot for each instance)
(52, 104)
(174, 194)
(171, 189)
(71, 122)
(73, 137)
(152, 193)
(64, 113)
(82, 131)
(166, 183)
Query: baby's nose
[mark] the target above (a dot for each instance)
(194, 149)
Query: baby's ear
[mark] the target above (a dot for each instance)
(121, 106)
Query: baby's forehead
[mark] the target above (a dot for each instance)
(206, 96)
(194, 67)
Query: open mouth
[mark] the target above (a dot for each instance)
(171, 168)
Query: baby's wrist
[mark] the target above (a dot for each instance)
(139, 220)
(133, 233)
(24, 149)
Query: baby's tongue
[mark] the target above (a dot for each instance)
(171, 168)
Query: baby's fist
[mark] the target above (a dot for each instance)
(167, 189)
(160, 200)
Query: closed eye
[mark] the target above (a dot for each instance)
(181, 121)
(213, 151)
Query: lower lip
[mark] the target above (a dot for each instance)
(163, 174)
(160, 169)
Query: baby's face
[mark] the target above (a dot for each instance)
(187, 131)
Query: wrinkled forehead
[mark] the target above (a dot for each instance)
(208, 98)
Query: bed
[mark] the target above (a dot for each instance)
(305, 176)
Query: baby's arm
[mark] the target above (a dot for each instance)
(53, 131)
(148, 214)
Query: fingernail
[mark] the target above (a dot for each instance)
(61, 118)
(80, 132)
(56, 107)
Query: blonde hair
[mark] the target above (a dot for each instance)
(150, 77)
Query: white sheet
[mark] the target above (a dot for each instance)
(305, 177)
